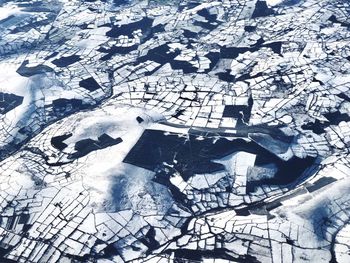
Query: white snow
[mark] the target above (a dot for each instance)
(9, 10)
(273, 2)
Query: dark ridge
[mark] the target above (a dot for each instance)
(23, 218)
(178, 113)
(115, 50)
(26, 228)
(321, 183)
(120, 2)
(2, 21)
(139, 119)
(9, 102)
(63, 107)
(34, 24)
(317, 80)
(226, 76)
(233, 52)
(247, 76)
(128, 29)
(262, 10)
(316, 127)
(90, 84)
(86, 146)
(54, 54)
(83, 26)
(190, 156)
(240, 112)
(280, 84)
(242, 211)
(83, 259)
(162, 176)
(160, 54)
(188, 255)
(275, 46)
(250, 29)
(185, 66)
(66, 61)
(149, 240)
(214, 57)
(57, 141)
(3, 253)
(287, 173)
(291, 2)
(206, 14)
(31, 4)
(25, 71)
(111, 250)
(335, 118)
(154, 148)
(273, 205)
(150, 73)
(163, 55)
(335, 20)
(37, 9)
(234, 111)
(344, 97)
(259, 42)
(10, 222)
(189, 34)
(210, 18)
(290, 241)
(147, 34)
